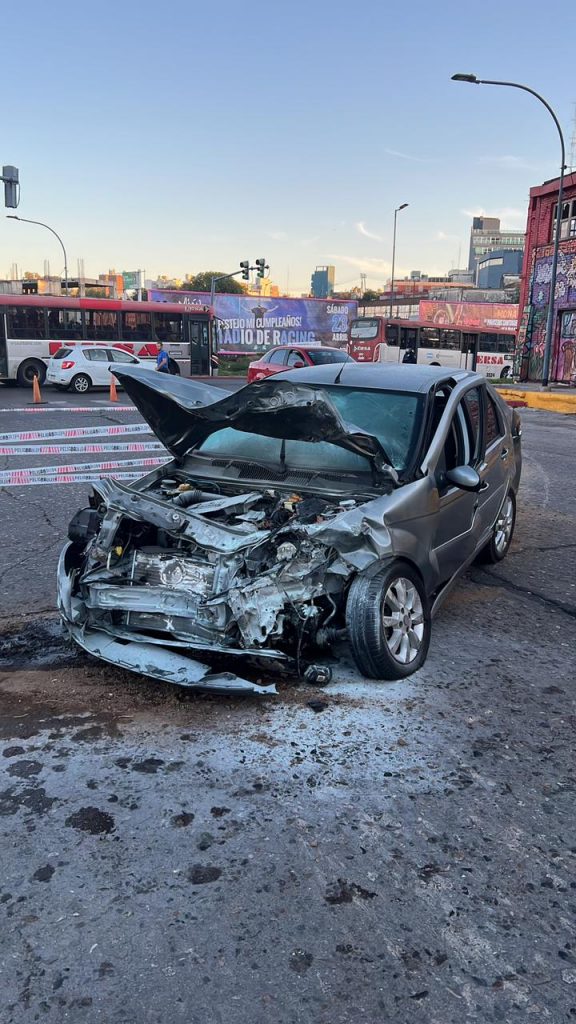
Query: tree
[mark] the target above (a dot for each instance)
(370, 296)
(202, 282)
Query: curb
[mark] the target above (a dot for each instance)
(550, 401)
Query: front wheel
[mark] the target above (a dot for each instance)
(81, 383)
(388, 621)
(502, 533)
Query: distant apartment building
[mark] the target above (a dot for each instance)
(322, 284)
(535, 285)
(487, 237)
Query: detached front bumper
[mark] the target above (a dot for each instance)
(139, 655)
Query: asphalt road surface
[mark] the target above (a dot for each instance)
(394, 853)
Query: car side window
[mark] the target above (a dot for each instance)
(493, 429)
(277, 356)
(122, 357)
(295, 357)
(472, 408)
(97, 355)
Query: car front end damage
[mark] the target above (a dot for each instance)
(161, 574)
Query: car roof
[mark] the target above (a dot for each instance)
(380, 376)
(307, 348)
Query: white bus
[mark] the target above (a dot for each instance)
(376, 339)
(34, 327)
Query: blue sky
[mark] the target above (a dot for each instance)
(184, 137)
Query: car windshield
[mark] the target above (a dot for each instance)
(394, 417)
(319, 356)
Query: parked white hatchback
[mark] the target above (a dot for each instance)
(81, 367)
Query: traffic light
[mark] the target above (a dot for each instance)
(245, 268)
(261, 267)
(11, 186)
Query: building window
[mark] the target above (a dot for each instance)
(568, 221)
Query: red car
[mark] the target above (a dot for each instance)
(291, 357)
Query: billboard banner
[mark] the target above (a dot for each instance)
(248, 323)
(487, 315)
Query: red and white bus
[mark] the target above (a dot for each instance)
(34, 327)
(376, 339)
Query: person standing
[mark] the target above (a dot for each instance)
(162, 360)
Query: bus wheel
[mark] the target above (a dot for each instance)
(81, 383)
(29, 369)
(434, 364)
(505, 373)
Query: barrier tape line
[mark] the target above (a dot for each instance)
(78, 449)
(80, 478)
(11, 476)
(73, 408)
(71, 432)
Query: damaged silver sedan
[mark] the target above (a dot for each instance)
(321, 505)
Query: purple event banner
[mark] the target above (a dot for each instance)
(247, 323)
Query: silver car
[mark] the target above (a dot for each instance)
(326, 504)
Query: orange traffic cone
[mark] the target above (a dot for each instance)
(36, 395)
(113, 392)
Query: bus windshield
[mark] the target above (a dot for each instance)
(364, 328)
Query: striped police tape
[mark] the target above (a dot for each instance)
(13, 476)
(71, 432)
(78, 478)
(72, 408)
(81, 449)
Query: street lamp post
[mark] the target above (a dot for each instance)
(12, 216)
(550, 317)
(396, 211)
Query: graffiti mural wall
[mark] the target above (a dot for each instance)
(563, 360)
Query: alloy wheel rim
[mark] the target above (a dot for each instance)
(82, 384)
(403, 620)
(504, 524)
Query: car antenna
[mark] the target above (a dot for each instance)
(339, 374)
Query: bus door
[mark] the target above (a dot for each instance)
(408, 350)
(469, 350)
(3, 345)
(198, 337)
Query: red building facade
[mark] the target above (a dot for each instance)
(535, 287)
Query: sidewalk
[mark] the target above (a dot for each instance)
(559, 399)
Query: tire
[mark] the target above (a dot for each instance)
(29, 369)
(502, 533)
(505, 373)
(380, 649)
(81, 383)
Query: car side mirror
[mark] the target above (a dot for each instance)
(298, 365)
(464, 477)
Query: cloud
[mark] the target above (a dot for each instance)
(363, 230)
(407, 156)
(514, 163)
(277, 236)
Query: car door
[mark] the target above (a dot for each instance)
(457, 527)
(275, 362)
(98, 361)
(497, 465)
(295, 359)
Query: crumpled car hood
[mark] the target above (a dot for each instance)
(183, 413)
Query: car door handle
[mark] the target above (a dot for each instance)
(484, 486)
(504, 453)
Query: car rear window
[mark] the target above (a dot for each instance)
(321, 356)
(62, 353)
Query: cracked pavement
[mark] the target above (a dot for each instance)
(406, 853)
